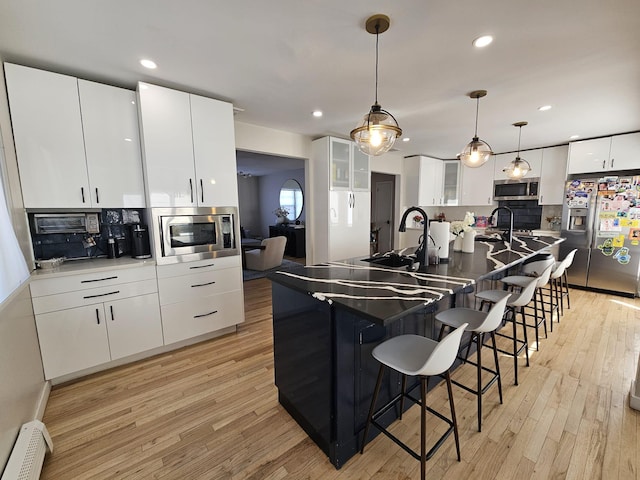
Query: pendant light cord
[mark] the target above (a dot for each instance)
(519, 135)
(377, 36)
(477, 108)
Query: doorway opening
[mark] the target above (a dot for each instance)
(383, 206)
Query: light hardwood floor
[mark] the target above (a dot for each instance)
(210, 411)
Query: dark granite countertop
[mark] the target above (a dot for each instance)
(384, 294)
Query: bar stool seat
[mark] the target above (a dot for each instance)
(423, 357)
(479, 324)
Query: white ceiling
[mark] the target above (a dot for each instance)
(282, 59)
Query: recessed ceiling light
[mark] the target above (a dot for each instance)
(146, 63)
(317, 113)
(406, 139)
(544, 108)
(573, 137)
(482, 41)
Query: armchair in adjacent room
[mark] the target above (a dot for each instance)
(267, 255)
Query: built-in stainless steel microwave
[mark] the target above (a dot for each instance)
(522, 189)
(188, 234)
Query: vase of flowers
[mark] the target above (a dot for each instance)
(282, 215)
(459, 227)
(418, 221)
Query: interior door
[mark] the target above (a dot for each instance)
(383, 215)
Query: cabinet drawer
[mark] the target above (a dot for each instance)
(195, 286)
(62, 301)
(190, 319)
(86, 281)
(179, 269)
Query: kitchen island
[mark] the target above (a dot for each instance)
(327, 318)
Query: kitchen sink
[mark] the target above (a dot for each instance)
(393, 260)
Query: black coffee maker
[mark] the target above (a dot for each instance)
(140, 246)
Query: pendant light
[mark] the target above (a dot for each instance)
(378, 130)
(477, 152)
(518, 167)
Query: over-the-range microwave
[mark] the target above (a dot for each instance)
(521, 189)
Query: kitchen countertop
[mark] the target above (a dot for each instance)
(75, 267)
(384, 294)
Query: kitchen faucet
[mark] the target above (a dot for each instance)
(510, 233)
(421, 252)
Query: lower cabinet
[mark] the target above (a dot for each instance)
(200, 297)
(84, 324)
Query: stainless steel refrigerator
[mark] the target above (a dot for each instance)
(601, 219)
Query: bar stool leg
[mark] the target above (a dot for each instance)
(453, 413)
(372, 407)
(544, 314)
(423, 427)
(515, 346)
(495, 359)
(479, 342)
(526, 340)
(566, 284)
(404, 389)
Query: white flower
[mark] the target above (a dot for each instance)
(460, 226)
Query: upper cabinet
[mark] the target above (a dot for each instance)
(424, 181)
(604, 154)
(533, 157)
(552, 176)
(451, 182)
(189, 148)
(349, 167)
(77, 142)
(476, 184)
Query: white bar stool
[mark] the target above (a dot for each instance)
(542, 280)
(515, 304)
(415, 355)
(480, 323)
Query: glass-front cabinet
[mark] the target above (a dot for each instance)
(349, 167)
(450, 182)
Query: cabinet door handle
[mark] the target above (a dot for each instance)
(82, 193)
(97, 196)
(98, 316)
(604, 162)
(99, 279)
(191, 189)
(201, 191)
(111, 309)
(202, 284)
(353, 195)
(102, 294)
(205, 314)
(612, 160)
(202, 266)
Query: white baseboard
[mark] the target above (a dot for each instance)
(634, 400)
(42, 402)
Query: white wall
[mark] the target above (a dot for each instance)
(253, 138)
(23, 389)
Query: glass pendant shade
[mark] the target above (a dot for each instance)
(517, 168)
(476, 153)
(377, 132)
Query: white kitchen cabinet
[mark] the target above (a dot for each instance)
(189, 149)
(77, 142)
(476, 185)
(424, 181)
(451, 182)
(534, 157)
(552, 176)
(348, 166)
(90, 319)
(112, 145)
(47, 129)
(200, 297)
(605, 154)
(624, 152)
(340, 226)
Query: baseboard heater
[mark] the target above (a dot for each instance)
(27, 456)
